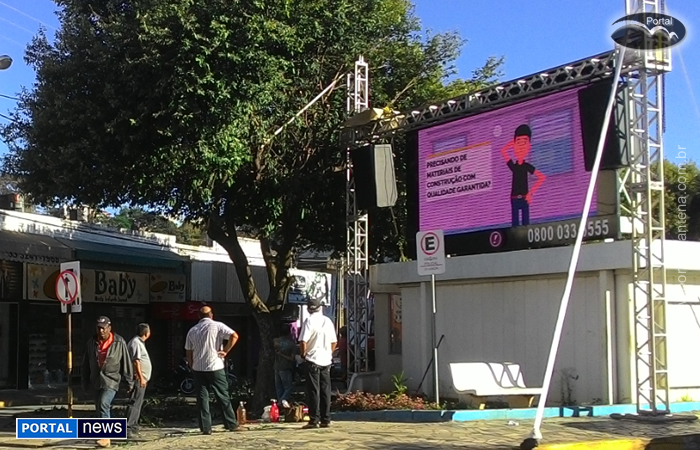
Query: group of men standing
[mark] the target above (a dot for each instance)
(108, 359)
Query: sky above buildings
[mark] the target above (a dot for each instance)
(532, 36)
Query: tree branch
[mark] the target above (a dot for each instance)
(270, 260)
(224, 232)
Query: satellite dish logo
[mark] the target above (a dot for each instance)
(649, 31)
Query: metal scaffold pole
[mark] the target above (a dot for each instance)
(357, 259)
(642, 186)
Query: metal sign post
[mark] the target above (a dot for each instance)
(431, 261)
(68, 292)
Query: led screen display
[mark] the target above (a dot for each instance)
(516, 166)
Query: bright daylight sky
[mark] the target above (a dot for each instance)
(533, 36)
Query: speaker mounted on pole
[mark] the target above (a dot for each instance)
(375, 177)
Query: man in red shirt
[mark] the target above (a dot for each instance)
(105, 362)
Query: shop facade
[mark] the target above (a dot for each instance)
(216, 284)
(116, 281)
(10, 295)
(17, 252)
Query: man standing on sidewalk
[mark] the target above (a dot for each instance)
(105, 362)
(142, 374)
(318, 341)
(205, 356)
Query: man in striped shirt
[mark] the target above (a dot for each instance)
(205, 356)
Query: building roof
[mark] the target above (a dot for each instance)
(118, 254)
(32, 248)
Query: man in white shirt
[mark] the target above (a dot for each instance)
(142, 374)
(205, 355)
(318, 341)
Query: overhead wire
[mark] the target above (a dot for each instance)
(17, 26)
(7, 117)
(27, 15)
(11, 40)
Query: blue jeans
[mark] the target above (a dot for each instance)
(283, 384)
(103, 402)
(517, 205)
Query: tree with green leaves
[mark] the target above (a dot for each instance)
(138, 219)
(682, 200)
(172, 104)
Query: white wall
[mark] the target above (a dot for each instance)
(509, 321)
(683, 342)
(683, 325)
(503, 307)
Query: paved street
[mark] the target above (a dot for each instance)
(494, 435)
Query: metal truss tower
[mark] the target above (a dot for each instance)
(357, 262)
(642, 189)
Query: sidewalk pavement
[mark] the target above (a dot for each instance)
(40, 395)
(559, 434)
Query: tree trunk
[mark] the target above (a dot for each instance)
(265, 318)
(265, 381)
(266, 313)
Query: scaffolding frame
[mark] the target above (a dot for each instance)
(356, 269)
(642, 200)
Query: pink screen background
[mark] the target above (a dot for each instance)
(471, 183)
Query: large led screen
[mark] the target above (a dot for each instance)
(516, 166)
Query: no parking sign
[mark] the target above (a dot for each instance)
(68, 290)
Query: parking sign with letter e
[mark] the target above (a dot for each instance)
(431, 252)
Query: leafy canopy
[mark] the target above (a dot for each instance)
(171, 105)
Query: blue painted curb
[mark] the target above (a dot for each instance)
(425, 416)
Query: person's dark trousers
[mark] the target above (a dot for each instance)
(103, 402)
(518, 205)
(217, 383)
(284, 383)
(133, 410)
(318, 393)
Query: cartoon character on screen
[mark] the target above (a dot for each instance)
(521, 193)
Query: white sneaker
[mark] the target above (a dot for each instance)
(285, 404)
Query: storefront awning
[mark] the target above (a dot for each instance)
(32, 248)
(119, 254)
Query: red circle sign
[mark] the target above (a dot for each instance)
(423, 243)
(70, 296)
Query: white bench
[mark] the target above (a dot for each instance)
(481, 380)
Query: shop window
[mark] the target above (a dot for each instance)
(395, 324)
(47, 347)
(4, 344)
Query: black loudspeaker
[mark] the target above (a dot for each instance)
(592, 102)
(375, 178)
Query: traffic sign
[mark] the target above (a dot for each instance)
(68, 289)
(431, 252)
